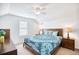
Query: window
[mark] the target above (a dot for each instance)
(23, 28)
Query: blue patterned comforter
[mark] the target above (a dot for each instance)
(43, 44)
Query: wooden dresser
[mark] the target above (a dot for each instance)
(8, 48)
(68, 43)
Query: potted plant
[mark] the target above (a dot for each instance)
(2, 34)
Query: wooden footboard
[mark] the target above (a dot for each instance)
(53, 52)
(30, 49)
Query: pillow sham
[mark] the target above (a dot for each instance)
(45, 32)
(55, 33)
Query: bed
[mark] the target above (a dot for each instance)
(44, 44)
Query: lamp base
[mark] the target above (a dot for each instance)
(68, 35)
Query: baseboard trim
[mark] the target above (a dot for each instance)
(76, 49)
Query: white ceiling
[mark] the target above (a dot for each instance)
(54, 11)
(4, 8)
(21, 9)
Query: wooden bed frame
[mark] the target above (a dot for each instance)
(54, 50)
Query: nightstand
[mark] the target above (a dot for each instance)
(68, 43)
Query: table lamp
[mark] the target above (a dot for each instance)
(41, 29)
(69, 29)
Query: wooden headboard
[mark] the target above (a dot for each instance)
(60, 31)
(7, 36)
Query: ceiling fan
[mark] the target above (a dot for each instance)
(39, 8)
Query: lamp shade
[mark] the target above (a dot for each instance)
(69, 29)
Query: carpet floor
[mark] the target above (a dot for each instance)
(62, 51)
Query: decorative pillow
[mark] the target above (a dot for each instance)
(58, 34)
(45, 32)
(55, 33)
